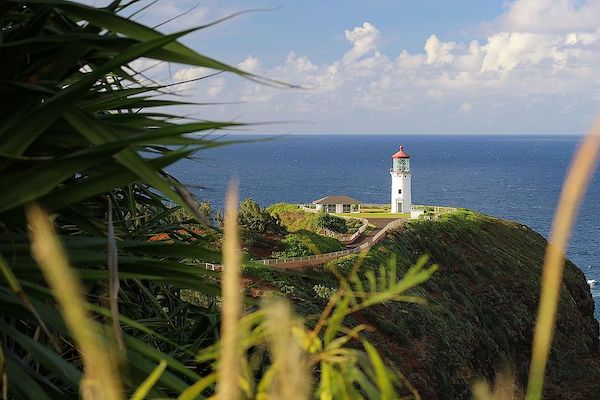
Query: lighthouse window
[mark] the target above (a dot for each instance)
(399, 191)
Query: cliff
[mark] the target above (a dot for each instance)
(480, 310)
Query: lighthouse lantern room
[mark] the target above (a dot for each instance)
(400, 171)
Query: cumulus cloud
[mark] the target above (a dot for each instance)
(550, 16)
(505, 51)
(530, 63)
(363, 39)
(250, 64)
(439, 52)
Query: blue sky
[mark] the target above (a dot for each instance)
(428, 66)
(316, 28)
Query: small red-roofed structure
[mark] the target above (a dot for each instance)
(401, 153)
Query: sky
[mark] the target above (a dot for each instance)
(411, 66)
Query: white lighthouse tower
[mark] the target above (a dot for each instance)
(400, 171)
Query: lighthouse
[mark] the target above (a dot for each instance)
(400, 172)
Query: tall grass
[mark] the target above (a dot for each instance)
(577, 179)
(573, 191)
(77, 142)
(100, 379)
(229, 349)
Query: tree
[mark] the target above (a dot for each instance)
(255, 221)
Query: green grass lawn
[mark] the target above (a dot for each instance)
(375, 210)
(375, 215)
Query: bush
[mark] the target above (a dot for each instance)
(295, 246)
(256, 222)
(204, 209)
(344, 265)
(353, 224)
(306, 243)
(331, 222)
(293, 217)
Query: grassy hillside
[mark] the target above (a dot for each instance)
(293, 218)
(480, 311)
(306, 243)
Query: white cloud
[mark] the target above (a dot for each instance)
(301, 65)
(516, 71)
(504, 51)
(216, 86)
(250, 64)
(190, 74)
(363, 39)
(439, 52)
(550, 16)
(585, 39)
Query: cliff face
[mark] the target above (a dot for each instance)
(480, 311)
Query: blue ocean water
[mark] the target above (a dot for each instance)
(512, 177)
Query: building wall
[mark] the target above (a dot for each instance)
(339, 208)
(401, 181)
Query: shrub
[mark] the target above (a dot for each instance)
(306, 243)
(255, 222)
(331, 222)
(293, 217)
(324, 292)
(204, 209)
(344, 265)
(353, 224)
(295, 246)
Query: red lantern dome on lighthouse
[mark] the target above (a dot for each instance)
(401, 153)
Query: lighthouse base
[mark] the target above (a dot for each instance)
(400, 206)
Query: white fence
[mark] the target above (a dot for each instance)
(336, 254)
(348, 239)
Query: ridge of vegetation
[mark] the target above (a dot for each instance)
(480, 312)
(104, 291)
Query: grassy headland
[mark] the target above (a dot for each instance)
(480, 310)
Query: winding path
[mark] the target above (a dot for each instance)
(382, 226)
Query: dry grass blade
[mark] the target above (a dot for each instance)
(113, 276)
(229, 359)
(505, 388)
(3, 376)
(100, 381)
(575, 184)
(287, 354)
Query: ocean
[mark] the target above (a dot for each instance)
(512, 177)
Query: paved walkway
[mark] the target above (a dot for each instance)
(379, 224)
(382, 226)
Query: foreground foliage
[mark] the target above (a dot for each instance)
(93, 290)
(78, 135)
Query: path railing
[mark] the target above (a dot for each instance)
(281, 262)
(348, 239)
(304, 207)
